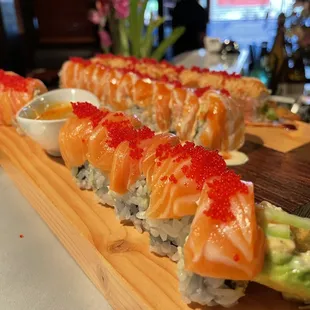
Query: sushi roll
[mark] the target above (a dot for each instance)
(206, 116)
(232, 241)
(15, 92)
(240, 87)
(196, 210)
(173, 179)
(73, 142)
(104, 150)
(225, 246)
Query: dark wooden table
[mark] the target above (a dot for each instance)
(280, 178)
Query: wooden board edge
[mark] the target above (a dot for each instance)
(111, 284)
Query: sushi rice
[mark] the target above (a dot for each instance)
(205, 290)
(165, 235)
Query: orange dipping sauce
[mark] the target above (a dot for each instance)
(58, 110)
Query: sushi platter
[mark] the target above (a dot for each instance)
(127, 163)
(115, 257)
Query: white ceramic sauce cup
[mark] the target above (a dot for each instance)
(46, 132)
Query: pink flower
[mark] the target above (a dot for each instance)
(122, 8)
(105, 38)
(94, 17)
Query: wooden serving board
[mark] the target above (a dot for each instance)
(115, 257)
(278, 138)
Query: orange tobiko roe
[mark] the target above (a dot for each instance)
(13, 81)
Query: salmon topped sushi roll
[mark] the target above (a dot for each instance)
(126, 184)
(219, 125)
(225, 245)
(174, 191)
(15, 92)
(104, 151)
(209, 117)
(196, 210)
(74, 141)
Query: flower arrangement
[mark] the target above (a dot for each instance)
(122, 31)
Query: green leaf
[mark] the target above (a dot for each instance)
(134, 27)
(124, 44)
(114, 30)
(161, 49)
(147, 43)
(141, 23)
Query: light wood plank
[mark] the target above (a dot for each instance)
(280, 139)
(115, 257)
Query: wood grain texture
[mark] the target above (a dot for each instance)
(280, 139)
(115, 257)
(281, 178)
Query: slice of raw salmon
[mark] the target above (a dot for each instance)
(176, 106)
(124, 94)
(162, 109)
(125, 170)
(172, 195)
(100, 154)
(73, 141)
(66, 75)
(225, 241)
(143, 93)
(187, 126)
(75, 134)
(15, 92)
(148, 161)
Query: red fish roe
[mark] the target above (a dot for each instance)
(105, 56)
(173, 179)
(83, 109)
(200, 91)
(135, 61)
(176, 84)
(80, 60)
(203, 164)
(131, 68)
(87, 110)
(226, 185)
(236, 257)
(177, 69)
(16, 82)
(196, 69)
(124, 131)
(225, 92)
(206, 167)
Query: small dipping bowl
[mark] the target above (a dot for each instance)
(46, 132)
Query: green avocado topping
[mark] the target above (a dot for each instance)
(287, 261)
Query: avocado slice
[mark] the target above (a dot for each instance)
(287, 260)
